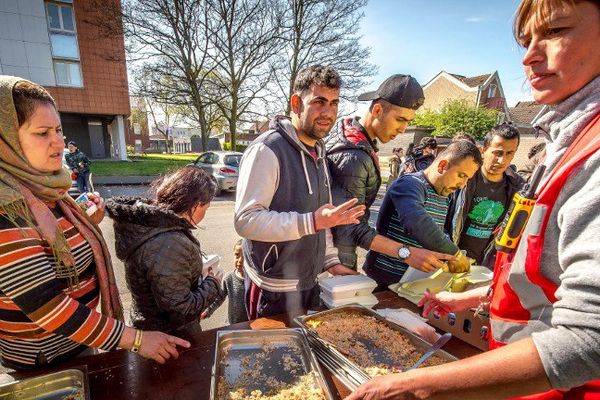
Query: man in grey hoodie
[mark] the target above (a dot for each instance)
(283, 204)
(551, 288)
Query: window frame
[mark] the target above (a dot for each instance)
(60, 4)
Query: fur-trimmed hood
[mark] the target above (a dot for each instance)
(136, 221)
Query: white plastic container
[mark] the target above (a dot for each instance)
(341, 288)
(367, 301)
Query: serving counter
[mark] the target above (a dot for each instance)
(123, 375)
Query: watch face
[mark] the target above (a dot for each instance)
(404, 252)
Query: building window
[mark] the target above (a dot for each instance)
(492, 91)
(63, 40)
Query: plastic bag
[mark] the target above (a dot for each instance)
(411, 321)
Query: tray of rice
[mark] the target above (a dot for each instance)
(266, 365)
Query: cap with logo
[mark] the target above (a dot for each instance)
(399, 90)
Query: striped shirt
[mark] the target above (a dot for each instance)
(411, 212)
(41, 319)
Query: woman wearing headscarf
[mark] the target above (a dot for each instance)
(54, 265)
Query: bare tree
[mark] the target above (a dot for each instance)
(246, 36)
(322, 32)
(173, 38)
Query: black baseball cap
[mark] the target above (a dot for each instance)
(399, 90)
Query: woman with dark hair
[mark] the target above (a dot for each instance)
(54, 265)
(162, 257)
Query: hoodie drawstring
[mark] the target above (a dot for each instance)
(303, 156)
(327, 179)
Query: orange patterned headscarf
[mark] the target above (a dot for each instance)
(25, 191)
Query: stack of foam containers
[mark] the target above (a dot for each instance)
(348, 289)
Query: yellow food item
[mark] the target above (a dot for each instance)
(459, 285)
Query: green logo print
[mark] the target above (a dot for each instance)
(487, 212)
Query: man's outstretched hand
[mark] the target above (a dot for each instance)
(329, 216)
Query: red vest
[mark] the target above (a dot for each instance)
(522, 297)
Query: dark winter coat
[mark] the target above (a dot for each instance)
(163, 265)
(78, 161)
(355, 173)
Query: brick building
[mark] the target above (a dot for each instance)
(481, 90)
(62, 45)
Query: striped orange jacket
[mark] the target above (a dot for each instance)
(41, 319)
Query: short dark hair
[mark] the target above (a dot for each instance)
(27, 96)
(460, 150)
(464, 136)
(72, 142)
(428, 141)
(505, 130)
(182, 190)
(317, 75)
(385, 105)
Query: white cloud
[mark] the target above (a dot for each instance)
(475, 19)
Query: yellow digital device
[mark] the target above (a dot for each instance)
(518, 214)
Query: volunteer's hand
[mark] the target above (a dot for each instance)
(204, 315)
(217, 274)
(98, 216)
(160, 347)
(329, 216)
(427, 260)
(461, 264)
(339, 269)
(445, 302)
(382, 388)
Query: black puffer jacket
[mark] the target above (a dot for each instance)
(355, 172)
(163, 266)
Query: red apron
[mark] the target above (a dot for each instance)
(522, 297)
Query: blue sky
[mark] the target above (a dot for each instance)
(423, 37)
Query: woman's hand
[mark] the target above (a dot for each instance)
(160, 347)
(98, 216)
(216, 273)
(445, 302)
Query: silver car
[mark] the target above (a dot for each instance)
(224, 166)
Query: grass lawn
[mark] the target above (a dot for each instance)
(146, 165)
(142, 168)
(187, 157)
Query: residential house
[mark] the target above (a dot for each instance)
(481, 90)
(137, 134)
(524, 113)
(63, 45)
(251, 132)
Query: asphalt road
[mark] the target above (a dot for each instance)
(216, 235)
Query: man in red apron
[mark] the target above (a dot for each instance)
(545, 304)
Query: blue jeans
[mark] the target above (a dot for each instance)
(83, 182)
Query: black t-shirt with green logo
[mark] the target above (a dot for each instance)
(487, 206)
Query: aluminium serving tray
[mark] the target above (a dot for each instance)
(336, 357)
(255, 359)
(70, 384)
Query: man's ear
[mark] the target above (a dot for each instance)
(376, 110)
(442, 166)
(296, 103)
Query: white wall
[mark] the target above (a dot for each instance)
(24, 41)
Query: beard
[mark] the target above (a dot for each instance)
(318, 133)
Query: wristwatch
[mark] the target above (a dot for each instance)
(403, 252)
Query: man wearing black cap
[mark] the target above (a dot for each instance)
(355, 170)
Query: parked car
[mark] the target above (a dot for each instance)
(224, 166)
(73, 190)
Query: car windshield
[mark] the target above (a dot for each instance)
(232, 160)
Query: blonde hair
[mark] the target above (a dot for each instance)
(540, 11)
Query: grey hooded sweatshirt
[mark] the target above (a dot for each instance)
(570, 347)
(279, 188)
